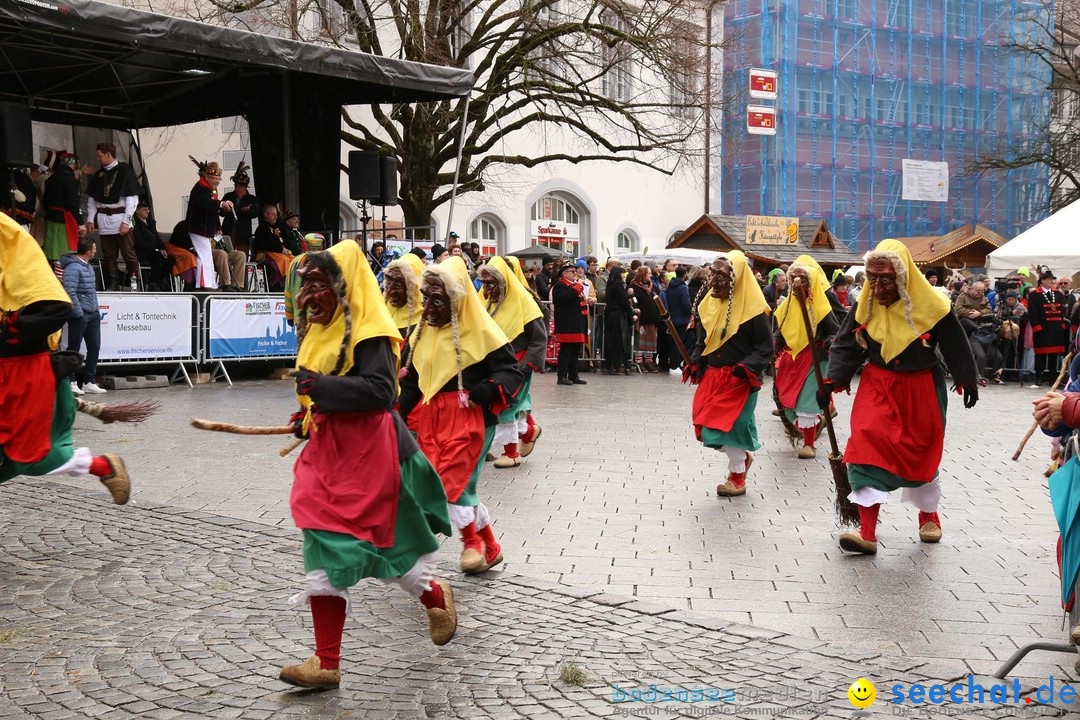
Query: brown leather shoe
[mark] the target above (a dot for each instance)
(1075, 635)
(309, 674)
(807, 453)
(728, 489)
(505, 461)
(442, 622)
(525, 447)
(472, 561)
(930, 532)
(853, 542)
(117, 481)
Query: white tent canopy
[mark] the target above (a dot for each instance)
(1055, 242)
(683, 256)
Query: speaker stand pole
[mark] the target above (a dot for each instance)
(384, 228)
(364, 218)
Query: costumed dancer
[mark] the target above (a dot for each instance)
(463, 370)
(734, 346)
(63, 217)
(37, 407)
(401, 288)
(527, 442)
(203, 221)
(795, 379)
(367, 500)
(518, 315)
(898, 418)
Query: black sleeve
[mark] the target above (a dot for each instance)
(699, 345)
(846, 355)
(410, 395)
(953, 344)
(33, 325)
(536, 348)
(762, 354)
(827, 328)
(370, 384)
(500, 367)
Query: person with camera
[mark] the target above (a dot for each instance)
(977, 319)
(897, 435)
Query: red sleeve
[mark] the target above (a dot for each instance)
(1070, 410)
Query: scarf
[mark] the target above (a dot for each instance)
(789, 314)
(723, 318)
(919, 308)
(516, 308)
(440, 353)
(412, 267)
(361, 315)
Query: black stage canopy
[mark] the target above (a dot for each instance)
(89, 63)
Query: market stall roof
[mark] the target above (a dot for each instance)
(728, 232)
(966, 246)
(89, 62)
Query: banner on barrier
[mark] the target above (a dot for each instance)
(145, 327)
(249, 328)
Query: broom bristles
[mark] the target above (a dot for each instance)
(132, 412)
(846, 511)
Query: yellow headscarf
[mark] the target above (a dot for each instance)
(789, 314)
(919, 309)
(324, 346)
(517, 307)
(516, 265)
(411, 267)
(434, 351)
(746, 302)
(25, 275)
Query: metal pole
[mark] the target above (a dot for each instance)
(708, 101)
(457, 168)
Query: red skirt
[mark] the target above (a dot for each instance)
(348, 477)
(791, 374)
(452, 438)
(897, 424)
(26, 407)
(719, 399)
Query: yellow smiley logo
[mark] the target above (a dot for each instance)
(862, 693)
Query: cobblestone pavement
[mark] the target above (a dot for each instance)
(160, 612)
(617, 499)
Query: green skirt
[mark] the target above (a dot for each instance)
(421, 513)
(523, 403)
(63, 442)
(743, 433)
(470, 498)
(807, 400)
(56, 241)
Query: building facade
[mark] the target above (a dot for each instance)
(595, 207)
(862, 86)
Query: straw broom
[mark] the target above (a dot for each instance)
(846, 511)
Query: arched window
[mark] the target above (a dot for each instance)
(625, 241)
(487, 231)
(556, 223)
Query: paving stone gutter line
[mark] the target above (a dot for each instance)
(152, 611)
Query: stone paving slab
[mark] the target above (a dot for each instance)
(619, 498)
(152, 611)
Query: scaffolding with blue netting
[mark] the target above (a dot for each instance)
(864, 85)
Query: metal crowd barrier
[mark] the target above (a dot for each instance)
(106, 300)
(219, 360)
